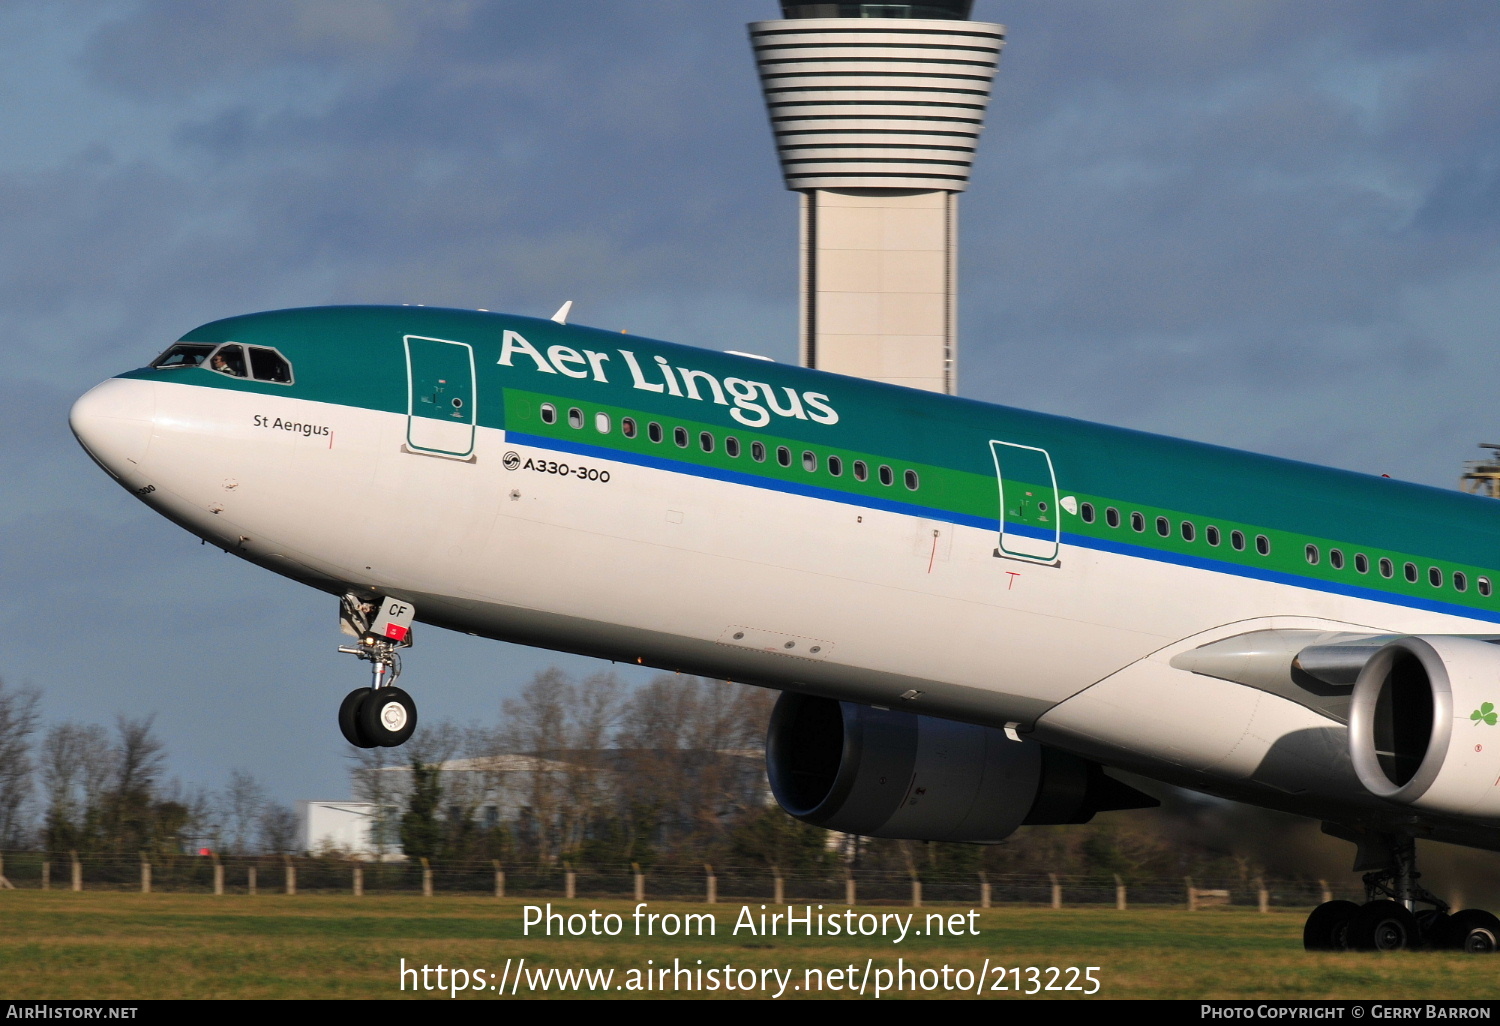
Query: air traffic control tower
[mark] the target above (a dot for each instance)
(876, 109)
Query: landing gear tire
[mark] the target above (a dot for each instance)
(1473, 930)
(349, 718)
(1327, 927)
(1383, 926)
(387, 717)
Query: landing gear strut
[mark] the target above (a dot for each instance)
(381, 715)
(1389, 920)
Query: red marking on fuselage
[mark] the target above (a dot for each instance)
(1013, 575)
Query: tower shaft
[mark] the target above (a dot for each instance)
(876, 122)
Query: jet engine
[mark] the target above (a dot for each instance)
(882, 773)
(1423, 725)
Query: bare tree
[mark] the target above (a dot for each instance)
(278, 829)
(77, 762)
(594, 711)
(536, 724)
(192, 818)
(380, 788)
(130, 817)
(239, 807)
(690, 757)
(17, 722)
(565, 729)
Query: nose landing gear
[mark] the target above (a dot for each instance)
(381, 715)
(1388, 920)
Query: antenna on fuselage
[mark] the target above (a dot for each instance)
(1482, 476)
(561, 317)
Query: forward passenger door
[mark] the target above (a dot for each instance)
(440, 399)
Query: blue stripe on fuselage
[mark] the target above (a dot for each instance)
(992, 524)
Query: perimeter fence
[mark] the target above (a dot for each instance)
(228, 875)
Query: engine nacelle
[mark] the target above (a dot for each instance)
(1423, 726)
(880, 773)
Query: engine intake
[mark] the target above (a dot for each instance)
(881, 773)
(1418, 733)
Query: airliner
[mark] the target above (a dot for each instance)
(972, 612)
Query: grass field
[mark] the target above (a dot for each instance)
(128, 946)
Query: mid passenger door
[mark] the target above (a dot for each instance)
(440, 400)
(1030, 518)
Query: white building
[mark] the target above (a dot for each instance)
(491, 791)
(347, 827)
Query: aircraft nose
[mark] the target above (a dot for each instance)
(113, 422)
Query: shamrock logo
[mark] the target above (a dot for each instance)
(1484, 714)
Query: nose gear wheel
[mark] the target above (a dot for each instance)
(381, 715)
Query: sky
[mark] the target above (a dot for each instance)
(1268, 225)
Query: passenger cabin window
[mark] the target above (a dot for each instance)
(1112, 516)
(1086, 511)
(1387, 568)
(1137, 522)
(653, 431)
(1189, 532)
(627, 427)
(809, 461)
(601, 423)
(1237, 540)
(1434, 577)
(732, 446)
(861, 472)
(758, 451)
(1211, 534)
(549, 413)
(575, 419)
(1336, 558)
(1312, 555)
(680, 436)
(1460, 581)
(1484, 586)
(1410, 571)
(1262, 545)
(1361, 563)
(783, 456)
(1163, 526)
(886, 476)
(912, 483)
(835, 466)
(706, 441)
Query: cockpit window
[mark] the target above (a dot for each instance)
(269, 365)
(183, 354)
(229, 360)
(257, 363)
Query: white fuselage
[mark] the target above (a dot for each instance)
(753, 584)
